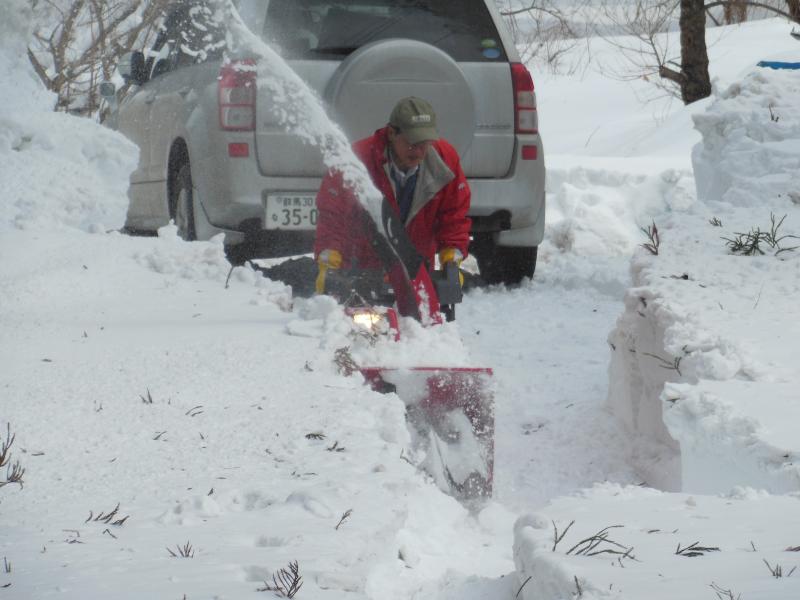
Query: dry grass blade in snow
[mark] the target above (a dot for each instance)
(695, 550)
(556, 537)
(107, 518)
(777, 570)
(345, 516)
(148, 399)
(5, 447)
(286, 582)
(344, 360)
(723, 594)
(15, 471)
(589, 546)
(185, 551)
(651, 232)
(14, 475)
(749, 244)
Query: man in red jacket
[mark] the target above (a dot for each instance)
(419, 173)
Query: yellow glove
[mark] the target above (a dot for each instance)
(327, 259)
(447, 255)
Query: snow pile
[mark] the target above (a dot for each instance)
(736, 431)
(62, 171)
(172, 255)
(751, 141)
(21, 89)
(683, 319)
(666, 546)
(57, 170)
(590, 210)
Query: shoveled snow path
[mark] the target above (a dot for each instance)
(546, 342)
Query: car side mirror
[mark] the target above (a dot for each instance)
(132, 68)
(108, 91)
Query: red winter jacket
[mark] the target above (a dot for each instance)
(437, 219)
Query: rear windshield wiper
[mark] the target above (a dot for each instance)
(341, 50)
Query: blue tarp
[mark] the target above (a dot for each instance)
(772, 64)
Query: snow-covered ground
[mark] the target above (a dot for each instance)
(135, 374)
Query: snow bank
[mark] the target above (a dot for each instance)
(21, 89)
(652, 554)
(62, 171)
(57, 170)
(172, 255)
(736, 431)
(751, 141)
(597, 208)
(720, 325)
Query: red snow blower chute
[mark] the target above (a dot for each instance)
(450, 409)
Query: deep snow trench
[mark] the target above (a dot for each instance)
(547, 343)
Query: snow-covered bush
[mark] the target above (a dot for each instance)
(56, 170)
(77, 44)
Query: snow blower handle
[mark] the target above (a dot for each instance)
(447, 282)
(408, 275)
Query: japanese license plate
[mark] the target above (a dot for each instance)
(291, 211)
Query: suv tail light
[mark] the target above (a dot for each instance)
(237, 95)
(526, 119)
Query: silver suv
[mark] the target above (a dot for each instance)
(215, 159)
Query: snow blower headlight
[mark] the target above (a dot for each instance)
(379, 321)
(370, 319)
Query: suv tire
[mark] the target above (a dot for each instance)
(182, 205)
(505, 264)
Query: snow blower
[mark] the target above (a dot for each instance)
(450, 409)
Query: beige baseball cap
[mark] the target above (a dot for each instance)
(415, 118)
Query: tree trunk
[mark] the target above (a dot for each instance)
(694, 54)
(735, 12)
(794, 9)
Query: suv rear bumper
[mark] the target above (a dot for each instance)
(230, 193)
(511, 209)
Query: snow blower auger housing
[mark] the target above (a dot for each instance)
(450, 409)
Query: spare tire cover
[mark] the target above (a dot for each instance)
(365, 88)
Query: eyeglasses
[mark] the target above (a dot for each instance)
(424, 145)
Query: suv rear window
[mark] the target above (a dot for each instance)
(320, 29)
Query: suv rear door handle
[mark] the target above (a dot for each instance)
(184, 90)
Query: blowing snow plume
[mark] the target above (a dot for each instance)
(298, 109)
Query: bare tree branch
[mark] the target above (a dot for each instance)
(748, 3)
(672, 75)
(79, 43)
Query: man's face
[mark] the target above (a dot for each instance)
(406, 155)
